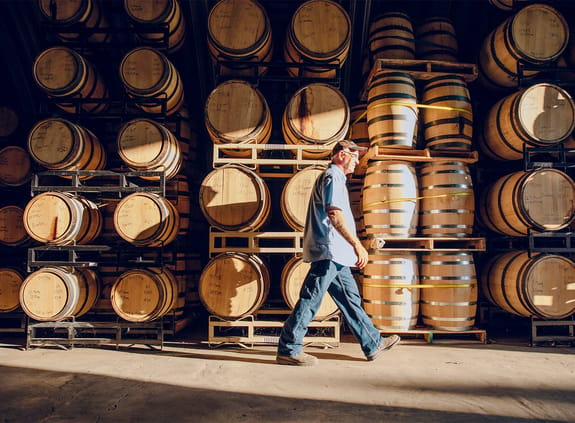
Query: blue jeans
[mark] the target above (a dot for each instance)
(328, 276)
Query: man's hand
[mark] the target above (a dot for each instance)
(362, 255)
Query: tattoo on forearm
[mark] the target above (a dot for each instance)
(338, 221)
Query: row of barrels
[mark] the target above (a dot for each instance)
(142, 219)
(541, 115)
(396, 198)
(89, 21)
(75, 84)
(535, 35)
(318, 37)
(399, 289)
(54, 293)
(441, 289)
(57, 143)
(437, 199)
(236, 112)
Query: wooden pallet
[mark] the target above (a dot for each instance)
(255, 242)
(417, 243)
(421, 69)
(425, 155)
(270, 160)
(432, 335)
(265, 327)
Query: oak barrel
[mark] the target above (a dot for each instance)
(62, 218)
(76, 20)
(12, 230)
(538, 285)
(391, 112)
(447, 204)
(448, 118)
(292, 278)
(70, 80)
(239, 32)
(15, 166)
(144, 294)
(235, 198)
(536, 35)
(318, 38)
(388, 298)
(358, 125)
(391, 37)
(542, 115)
(296, 195)
(54, 293)
(146, 219)
(234, 285)
(236, 112)
(59, 144)
(166, 15)
(436, 39)
(152, 80)
(9, 121)
(144, 144)
(10, 282)
(449, 302)
(390, 199)
(316, 114)
(540, 200)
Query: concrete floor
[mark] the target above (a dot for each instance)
(187, 381)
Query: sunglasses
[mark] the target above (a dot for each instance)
(354, 154)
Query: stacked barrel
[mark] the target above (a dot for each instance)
(533, 114)
(15, 173)
(119, 135)
(235, 197)
(410, 198)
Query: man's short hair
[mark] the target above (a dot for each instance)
(350, 145)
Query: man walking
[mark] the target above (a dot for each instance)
(331, 245)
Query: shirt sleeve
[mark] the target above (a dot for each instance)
(333, 193)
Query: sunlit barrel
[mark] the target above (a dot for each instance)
(391, 112)
(292, 278)
(146, 219)
(234, 285)
(236, 112)
(54, 293)
(447, 203)
(390, 199)
(144, 294)
(146, 145)
(531, 284)
(296, 195)
(235, 198)
(538, 200)
(449, 302)
(317, 114)
(62, 218)
(536, 35)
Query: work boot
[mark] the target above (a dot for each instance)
(386, 344)
(302, 359)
